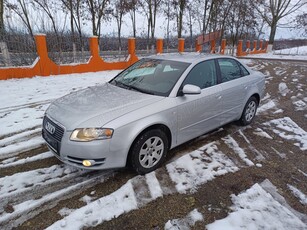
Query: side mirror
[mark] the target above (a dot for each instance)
(191, 89)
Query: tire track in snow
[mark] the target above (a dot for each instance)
(29, 208)
(20, 186)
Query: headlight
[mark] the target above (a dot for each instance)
(90, 134)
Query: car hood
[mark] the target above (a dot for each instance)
(97, 105)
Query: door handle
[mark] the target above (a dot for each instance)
(245, 87)
(218, 96)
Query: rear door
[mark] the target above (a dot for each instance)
(199, 113)
(235, 86)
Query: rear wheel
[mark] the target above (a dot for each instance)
(249, 111)
(148, 151)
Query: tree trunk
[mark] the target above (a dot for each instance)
(273, 32)
(1, 18)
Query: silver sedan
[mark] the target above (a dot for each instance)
(151, 107)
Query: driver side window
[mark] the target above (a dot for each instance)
(202, 75)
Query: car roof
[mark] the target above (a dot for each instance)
(187, 57)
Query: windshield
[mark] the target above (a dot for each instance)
(152, 76)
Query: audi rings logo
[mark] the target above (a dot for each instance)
(50, 128)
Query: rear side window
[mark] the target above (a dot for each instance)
(243, 70)
(230, 69)
(202, 75)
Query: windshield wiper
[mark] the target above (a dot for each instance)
(141, 90)
(131, 87)
(120, 84)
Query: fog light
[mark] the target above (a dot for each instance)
(87, 163)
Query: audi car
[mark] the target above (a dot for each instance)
(154, 105)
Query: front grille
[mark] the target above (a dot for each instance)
(58, 130)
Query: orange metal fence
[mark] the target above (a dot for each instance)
(44, 66)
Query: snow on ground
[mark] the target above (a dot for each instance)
(257, 209)
(184, 223)
(198, 167)
(21, 182)
(300, 50)
(296, 192)
(17, 92)
(24, 101)
(283, 89)
(295, 53)
(106, 208)
(14, 161)
(237, 149)
(289, 130)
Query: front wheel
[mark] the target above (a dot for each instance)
(249, 111)
(149, 151)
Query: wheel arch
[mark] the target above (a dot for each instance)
(162, 127)
(257, 96)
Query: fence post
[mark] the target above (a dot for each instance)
(266, 46)
(94, 48)
(212, 48)
(44, 61)
(159, 44)
(131, 50)
(239, 48)
(248, 46)
(255, 45)
(223, 46)
(197, 46)
(260, 45)
(180, 45)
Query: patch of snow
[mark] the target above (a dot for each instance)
(184, 223)
(198, 167)
(299, 105)
(305, 174)
(283, 89)
(297, 193)
(278, 111)
(103, 209)
(21, 182)
(257, 209)
(237, 149)
(153, 185)
(282, 155)
(86, 199)
(264, 107)
(65, 211)
(262, 133)
(300, 50)
(12, 150)
(12, 139)
(259, 165)
(13, 162)
(289, 130)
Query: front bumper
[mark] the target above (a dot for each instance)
(73, 152)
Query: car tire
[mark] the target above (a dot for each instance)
(148, 151)
(249, 111)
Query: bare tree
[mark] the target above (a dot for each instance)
(180, 6)
(301, 22)
(20, 8)
(1, 16)
(120, 9)
(76, 11)
(274, 10)
(150, 9)
(96, 9)
(132, 8)
(50, 9)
